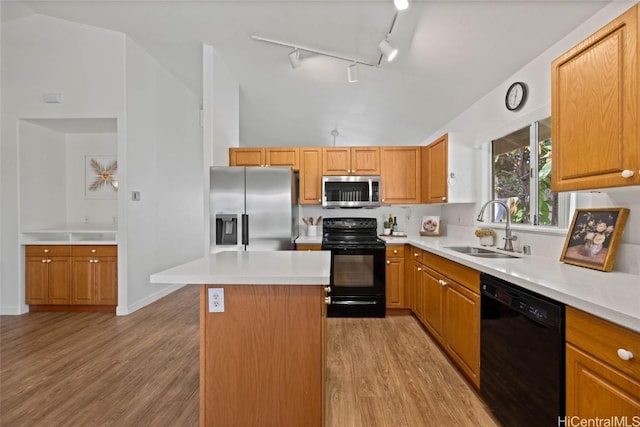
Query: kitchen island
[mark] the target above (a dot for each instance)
(262, 336)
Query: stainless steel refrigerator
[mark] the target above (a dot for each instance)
(253, 208)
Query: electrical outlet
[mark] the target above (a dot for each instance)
(216, 300)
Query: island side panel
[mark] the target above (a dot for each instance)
(262, 360)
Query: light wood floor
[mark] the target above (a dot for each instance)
(81, 369)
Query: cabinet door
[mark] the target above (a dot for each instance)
(106, 281)
(246, 157)
(395, 283)
(365, 161)
(336, 161)
(59, 287)
(434, 171)
(310, 176)
(462, 328)
(433, 303)
(282, 156)
(37, 280)
(594, 389)
(594, 105)
(400, 172)
(82, 281)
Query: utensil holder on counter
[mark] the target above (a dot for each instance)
(312, 230)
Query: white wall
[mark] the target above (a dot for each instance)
(43, 54)
(488, 119)
(43, 182)
(220, 120)
(80, 209)
(163, 160)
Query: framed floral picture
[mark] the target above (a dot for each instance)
(101, 177)
(430, 226)
(594, 237)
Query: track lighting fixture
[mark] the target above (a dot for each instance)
(401, 4)
(294, 58)
(352, 73)
(387, 50)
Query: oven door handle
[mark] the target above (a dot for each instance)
(350, 302)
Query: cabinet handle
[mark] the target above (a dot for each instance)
(395, 251)
(444, 198)
(442, 282)
(327, 289)
(93, 251)
(46, 251)
(624, 354)
(627, 173)
(48, 260)
(327, 300)
(419, 268)
(388, 262)
(44, 260)
(416, 254)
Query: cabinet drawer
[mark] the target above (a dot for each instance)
(395, 251)
(462, 274)
(47, 250)
(602, 340)
(94, 250)
(416, 254)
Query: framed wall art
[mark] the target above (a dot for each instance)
(430, 226)
(101, 179)
(594, 237)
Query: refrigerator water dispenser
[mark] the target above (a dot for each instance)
(226, 229)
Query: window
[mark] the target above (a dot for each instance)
(521, 171)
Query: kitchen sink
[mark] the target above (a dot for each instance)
(480, 252)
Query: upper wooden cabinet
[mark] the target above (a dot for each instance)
(447, 171)
(400, 173)
(351, 161)
(269, 156)
(595, 106)
(310, 176)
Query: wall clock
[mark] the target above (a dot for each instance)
(516, 96)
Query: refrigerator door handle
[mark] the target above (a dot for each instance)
(245, 229)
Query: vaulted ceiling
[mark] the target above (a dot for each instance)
(450, 54)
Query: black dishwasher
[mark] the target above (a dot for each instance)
(521, 354)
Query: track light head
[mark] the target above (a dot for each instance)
(294, 58)
(352, 72)
(387, 50)
(401, 4)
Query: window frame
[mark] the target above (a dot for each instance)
(566, 200)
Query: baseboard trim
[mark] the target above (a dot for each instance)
(123, 311)
(13, 310)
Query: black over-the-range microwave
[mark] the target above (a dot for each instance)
(351, 191)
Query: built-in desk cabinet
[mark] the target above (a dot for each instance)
(599, 382)
(47, 274)
(595, 132)
(446, 299)
(72, 277)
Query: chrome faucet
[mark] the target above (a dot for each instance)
(508, 238)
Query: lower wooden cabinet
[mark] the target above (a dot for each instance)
(599, 382)
(446, 299)
(309, 247)
(47, 274)
(394, 277)
(71, 275)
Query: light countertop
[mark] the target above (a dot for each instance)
(614, 296)
(252, 268)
